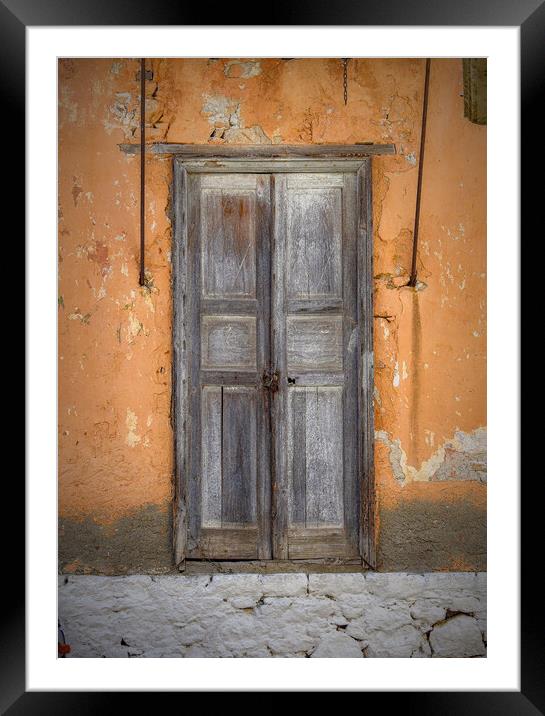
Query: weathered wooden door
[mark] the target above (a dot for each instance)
(269, 352)
(228, 291)
(315, 349)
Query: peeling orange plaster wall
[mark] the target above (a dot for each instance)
(115, 436)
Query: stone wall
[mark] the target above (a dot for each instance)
(278, 615)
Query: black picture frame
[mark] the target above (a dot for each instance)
(15, 16)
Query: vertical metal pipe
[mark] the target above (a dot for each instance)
(412, 280)
(142, 280)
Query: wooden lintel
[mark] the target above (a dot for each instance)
(263, 151)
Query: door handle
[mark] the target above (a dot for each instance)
(271, 380)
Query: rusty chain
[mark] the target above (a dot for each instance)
(345, 79)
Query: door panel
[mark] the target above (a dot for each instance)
(229, 464)
(316, 497)
(228, 343)
(314, 236)
(239, 475)
(229, 414)
(315, 343)
(211, 457)
(315, 456)
(228, 234)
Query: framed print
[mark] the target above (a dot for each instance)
(261, 418)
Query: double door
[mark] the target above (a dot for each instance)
(271, 346)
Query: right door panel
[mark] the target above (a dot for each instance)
(315, 349)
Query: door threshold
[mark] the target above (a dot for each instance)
(273, 566)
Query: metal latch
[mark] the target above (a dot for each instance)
(271, 380)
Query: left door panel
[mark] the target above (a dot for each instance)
(227, 344)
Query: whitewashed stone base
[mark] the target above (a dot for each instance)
(277, 615)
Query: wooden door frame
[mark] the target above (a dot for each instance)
(189, 159)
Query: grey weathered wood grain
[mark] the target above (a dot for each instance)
(324, 457)
(279, 165)
(227, 377)
(211, 455)
(330, 565)
(316, 228)
(351, 386)
(310, 180)
(179, 363)
(232, 543)
(314, 240)
(239, 457)
(229, 306)
(365, 380)
(297, 455)
(314, 306)
(231, 183)
(228, 343)
(260, 151)
(193, 343)
(228, 242)
(264, 228)
(314, 379)
(280, 490)
(314, 343)
(351, 338)
(229, 486)
(327, 542)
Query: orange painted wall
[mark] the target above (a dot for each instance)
(115, 436)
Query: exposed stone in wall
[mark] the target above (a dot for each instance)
(228, 126)
(124, 109)
(222, 111)
(246, 135)
(279, 615)
(458, 636)
(435, 516)
(242, 69)
(123, 114)
(462, 458)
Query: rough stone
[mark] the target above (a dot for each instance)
(239, 69)
(337, 645)
(336, 585)
(427, 613)
(284, 585)
(402, 642)
(289, 638)
(191, 633)
(222, 111)
(353, 605)
(244, 602)
(236, 585)
(246, 135)
(456, 637)
(256, 616)
(464, 457)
